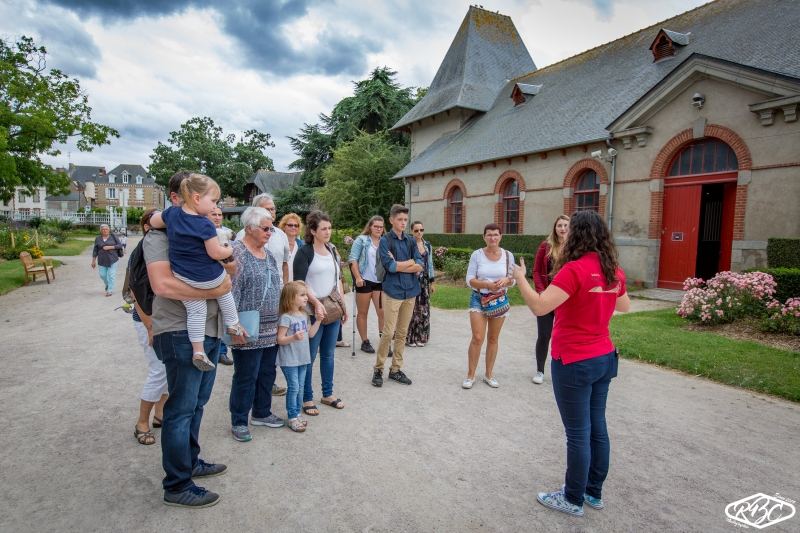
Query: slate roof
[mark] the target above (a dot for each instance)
(268, 180)
(581, 96)
(71, 197)
(133, 170)
(485, 53)
(82, 174)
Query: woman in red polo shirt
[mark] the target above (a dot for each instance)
(588, 286)
(546, 257)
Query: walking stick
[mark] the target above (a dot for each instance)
(355, 310)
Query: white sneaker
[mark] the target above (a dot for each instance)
(467, 383)
(420, 345)
(538, 378)
(491, 382)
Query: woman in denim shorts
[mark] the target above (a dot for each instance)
(362, 259)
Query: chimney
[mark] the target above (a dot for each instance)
(102, 171)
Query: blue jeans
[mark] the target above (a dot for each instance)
(189, 390)
(325, 342)
(223, 349)
(253, 377)
(108, 275)
(295, 382)
(581, 390)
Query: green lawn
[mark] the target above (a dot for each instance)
(447, 297)
(84, 233)
(657, 337)
(12, 275)
(69, 247)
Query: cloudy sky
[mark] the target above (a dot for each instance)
(150, 65)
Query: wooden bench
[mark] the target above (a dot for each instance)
(31, 269)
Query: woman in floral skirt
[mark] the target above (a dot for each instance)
(419, 329)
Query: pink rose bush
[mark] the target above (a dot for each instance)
(727, 297)
(348, 240)
(784, 317)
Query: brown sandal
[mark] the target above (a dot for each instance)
(144, 437)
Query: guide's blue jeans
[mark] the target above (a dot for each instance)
(189, 390)
(325, 342)
(581, 390)
(253, 377)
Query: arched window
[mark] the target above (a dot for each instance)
(587, 191)
(704, 157)
(511, 208)
(456, 211)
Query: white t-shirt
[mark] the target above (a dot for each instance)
(482, 269)
(369, 272)
(292, 255)
(321, 275)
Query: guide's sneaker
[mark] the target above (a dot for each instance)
(204, 469)
(377, 378)
(399, 377)
(557, 500)
(194, 497)
(591, 501)
(272, 421)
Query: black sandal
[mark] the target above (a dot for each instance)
(335, 403)
(312, 406)
(144, 436)
(156, 422)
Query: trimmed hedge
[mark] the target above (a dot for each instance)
(788, 280)
(528, 244)
(463, 255)
(783, 253)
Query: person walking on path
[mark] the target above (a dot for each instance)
(363, 257)
(106, 253)
(154, 392)
(215, 216)
(489, 276)
(401, 261)
(123, 238)
(292, 226)
(317, 264)
(419, 329)
(294, 353)
(588, 286)
(256, 287)
(547, 255)
(188, 387)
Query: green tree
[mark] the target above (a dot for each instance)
(357, 181)
(39, 109)
(201, 146)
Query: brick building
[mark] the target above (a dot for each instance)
(699, 112)
(129, 185)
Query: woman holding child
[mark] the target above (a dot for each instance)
(256, 287)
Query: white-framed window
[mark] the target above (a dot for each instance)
(125, 177)
(111, 193)
(140, 194)
(65, 206)
(112, 178)
(37, 196)
(138, 180)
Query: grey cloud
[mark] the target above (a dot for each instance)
(259, 27)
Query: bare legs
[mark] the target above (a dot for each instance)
(479, 322)
(145, 408)
(362, 303)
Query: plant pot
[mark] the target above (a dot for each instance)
(638, 282)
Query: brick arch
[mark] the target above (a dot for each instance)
(672, 148)
(499, 185)
(453, 184)
(572, 176)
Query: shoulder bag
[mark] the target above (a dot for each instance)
(120, 251)
(250, 320)
(495, 304)
(333, 302)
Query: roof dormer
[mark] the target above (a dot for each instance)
(664, 44)
(522, 92)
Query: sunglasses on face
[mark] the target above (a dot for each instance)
(292, 225)
(266, 229)
(420, 230)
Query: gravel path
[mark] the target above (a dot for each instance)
(430, 457)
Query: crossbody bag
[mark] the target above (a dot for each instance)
(495, 304)
(333, 302)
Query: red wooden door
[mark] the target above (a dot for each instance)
(726, 230)
(679, 235)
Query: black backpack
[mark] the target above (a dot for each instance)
(139, 282)
(380, 272)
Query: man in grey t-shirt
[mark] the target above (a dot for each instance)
(189, 388)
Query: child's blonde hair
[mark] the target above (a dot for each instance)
(197, 184)
(288, 294)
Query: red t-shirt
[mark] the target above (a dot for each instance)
(581, 327)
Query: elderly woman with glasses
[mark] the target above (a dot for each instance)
(292, 226)
(256, 287)
(106, 253)
(419, 329)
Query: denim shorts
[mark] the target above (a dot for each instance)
(475, 305)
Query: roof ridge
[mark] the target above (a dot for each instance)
(657, 24)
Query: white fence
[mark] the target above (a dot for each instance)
(115, 221)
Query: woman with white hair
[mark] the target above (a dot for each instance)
(256, 287)
(106, 253)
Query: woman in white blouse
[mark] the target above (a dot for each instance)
(489, 272)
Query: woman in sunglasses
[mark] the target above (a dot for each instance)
(419, 329)
(292, 226)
